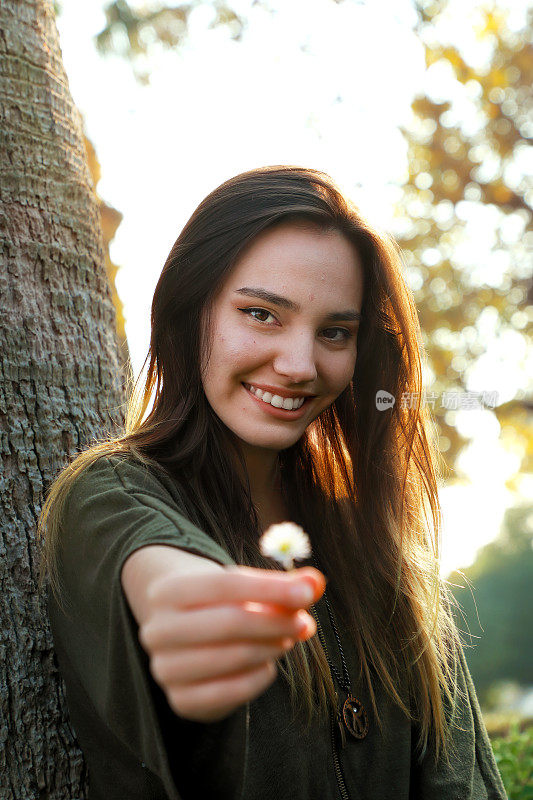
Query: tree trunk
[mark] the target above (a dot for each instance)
(61, 384)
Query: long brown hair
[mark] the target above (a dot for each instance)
(366, 477)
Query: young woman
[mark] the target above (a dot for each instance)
(193, 666)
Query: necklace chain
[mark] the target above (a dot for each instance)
(344, 682)
(351, 714)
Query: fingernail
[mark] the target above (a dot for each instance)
(305, 623)
(302, 593)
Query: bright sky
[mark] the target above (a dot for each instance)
(318, 84)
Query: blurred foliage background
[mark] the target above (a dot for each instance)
(467, 185)
(464, 223)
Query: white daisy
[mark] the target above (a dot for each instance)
(285, 542)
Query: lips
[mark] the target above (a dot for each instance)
(273, 390)
(275, 398)
(280, 413)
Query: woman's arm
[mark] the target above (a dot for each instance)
(154, 561)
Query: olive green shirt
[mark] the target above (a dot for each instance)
(136, 747)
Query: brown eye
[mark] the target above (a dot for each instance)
(346, 334)
(251, 311)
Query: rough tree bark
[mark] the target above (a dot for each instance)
(60, 381)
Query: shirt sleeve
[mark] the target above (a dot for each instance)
(112, 509)
(471, 772)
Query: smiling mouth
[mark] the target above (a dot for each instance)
(276, 401)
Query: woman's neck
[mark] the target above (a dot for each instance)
(262, 470)
(270, 510)
(262, 466)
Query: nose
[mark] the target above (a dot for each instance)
(295, 359)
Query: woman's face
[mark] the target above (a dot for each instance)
(298, 342)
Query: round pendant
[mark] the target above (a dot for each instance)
(355, 718)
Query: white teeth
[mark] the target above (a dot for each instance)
(288, 403)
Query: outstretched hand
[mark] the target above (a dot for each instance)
(213, 634)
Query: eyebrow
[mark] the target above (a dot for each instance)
(335, 316)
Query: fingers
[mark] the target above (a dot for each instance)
(213, 636)
(176, 628)
(213, 700)
(297, 589)
(208, 662)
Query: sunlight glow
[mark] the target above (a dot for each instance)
(319, 84)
